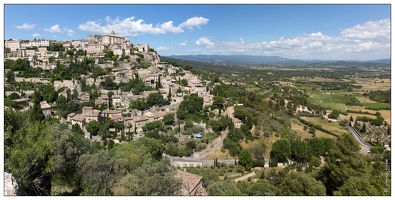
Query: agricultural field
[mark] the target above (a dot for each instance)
(386, 114)
(373, 84)
(329, 125)
(297, 126)
(330, 100)
(377, 106)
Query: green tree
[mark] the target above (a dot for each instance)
(315, 161)
(184, 82)
(334, 114)
(168, 119)
(218, 101)
(98, 171)
(301, 184)
(223, 188)
(281, 149)
(134, 152)
(262, 188)
(93, 127)
(154, 146)
(139, 104)
(191, 144)
(245, 159)
(69, 146)
(351, 119)
(151, 179)
(155, 99)
(31, 159)
(364, 186)
(36, 113)
(363, 130)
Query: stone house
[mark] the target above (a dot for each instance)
(116, 100)
(77, 119)
(22, 102)
(91, 114)
(46, 108)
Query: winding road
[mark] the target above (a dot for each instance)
(365, 146)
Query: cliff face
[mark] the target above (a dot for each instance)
(151, 57)
(11, 187)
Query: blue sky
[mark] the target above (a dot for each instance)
(292, 31)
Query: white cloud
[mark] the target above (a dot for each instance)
(194, 21)
(129, 27)
(132, 27)
(36, 35)
(370, 40)
(241, 41)
(204, 41)
(54, 29)
(70, 33)
(376, 30)
(168, 27)
(183, 44)
(26, 26)
(163, 48)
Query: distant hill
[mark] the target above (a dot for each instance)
(232, 59)
(247, 59)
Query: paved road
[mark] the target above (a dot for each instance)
(365, 146)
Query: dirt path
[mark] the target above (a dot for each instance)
(244, 177)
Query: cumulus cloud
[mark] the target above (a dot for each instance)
(129, 27)
(194, 22)
(183, 44)
(370, 40)
(26, 26)
(204, 41)
(36, 35)
(132, 27)
(54, 29)
(370, 30)
(241, 41)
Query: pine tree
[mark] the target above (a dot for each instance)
(351, 119)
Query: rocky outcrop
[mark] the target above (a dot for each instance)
(11, 187)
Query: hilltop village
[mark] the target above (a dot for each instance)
(138, 62)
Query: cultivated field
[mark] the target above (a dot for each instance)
(331, 126)
(297, 126)
(373, 84)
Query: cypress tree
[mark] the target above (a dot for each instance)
(36, 113)
(363, 130)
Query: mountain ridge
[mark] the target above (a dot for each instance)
(250, 59)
